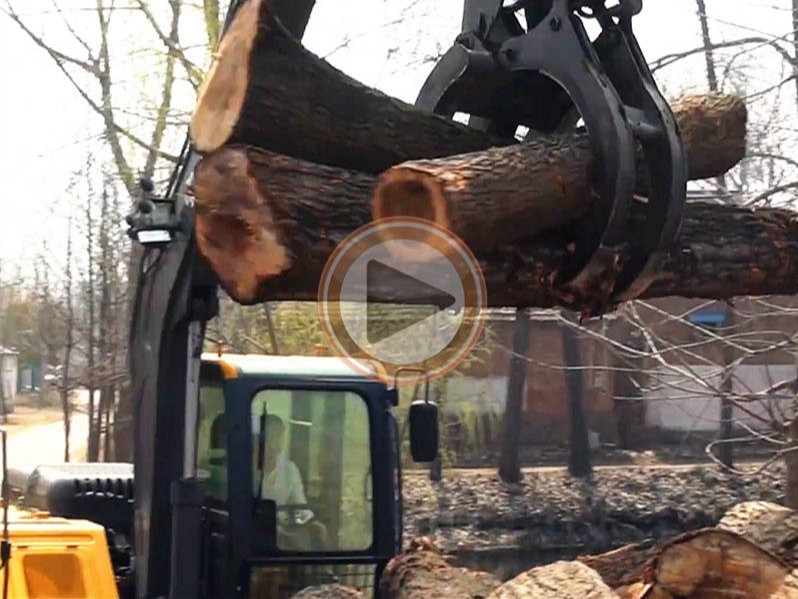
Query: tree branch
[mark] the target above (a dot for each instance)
(171, 41)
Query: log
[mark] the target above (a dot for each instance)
(268, 223)
(259, 214)
(642, 590)
(770, 525)
(789, 589)
(503, 194)
(714, 564)
(560, 580)
(623, 566)
(265, 89)
(328, 591)
(422, 572)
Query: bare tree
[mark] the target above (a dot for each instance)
(69, 341)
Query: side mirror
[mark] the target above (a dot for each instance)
(423, 431)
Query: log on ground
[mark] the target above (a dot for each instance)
(422, 572)
(503, 194)
(560, 580)
(264, 89)
(715, 564)
(268, 223)
(772, 526)
(623, 566)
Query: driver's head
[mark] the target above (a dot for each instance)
(275, 434)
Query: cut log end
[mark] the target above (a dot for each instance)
(223, 91)
(410, 194)
(716, 563)
(406, 192)
(235, 228)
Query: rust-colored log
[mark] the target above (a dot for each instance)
(260, 214)
(265, 89)
(268, 223)
(498, 195)
(422, 572)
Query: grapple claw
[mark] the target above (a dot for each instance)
(506, 75)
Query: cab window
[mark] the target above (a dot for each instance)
(311, 464)
(212, 441)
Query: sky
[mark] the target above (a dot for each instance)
(46, 127)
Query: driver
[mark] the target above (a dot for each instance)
(280, 481)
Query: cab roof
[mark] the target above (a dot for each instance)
(236, 365)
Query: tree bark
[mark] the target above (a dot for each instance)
(715, 563)
(422, 572)
(560, 580)
(268, 223)
(771, 526)
(509, 466)
(265, 89)
(260, 214)
(623, 566)
(503, 194)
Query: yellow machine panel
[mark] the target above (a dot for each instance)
(55, 557)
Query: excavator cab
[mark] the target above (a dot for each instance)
(299, 458)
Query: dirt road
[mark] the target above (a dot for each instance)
(42, 441)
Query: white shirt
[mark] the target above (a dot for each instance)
(283, 485)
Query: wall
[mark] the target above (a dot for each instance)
(8, 375)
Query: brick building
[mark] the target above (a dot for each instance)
(681, 385)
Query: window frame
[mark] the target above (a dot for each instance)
(356, 387)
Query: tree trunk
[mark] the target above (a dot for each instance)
(268, 223)
(715, 563)
(264, 89)
(579, 452)
(725, 434)
(66, 384)
(509, 466)
(502, 194)
(560, 580)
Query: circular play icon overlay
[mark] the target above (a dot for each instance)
(405, 293)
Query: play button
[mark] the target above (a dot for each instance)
(403, 292)
(380, 276)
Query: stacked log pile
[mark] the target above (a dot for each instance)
(297, 155)
(750, 554)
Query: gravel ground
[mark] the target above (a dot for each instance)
(504, 528)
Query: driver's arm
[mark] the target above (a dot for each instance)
(296, 492)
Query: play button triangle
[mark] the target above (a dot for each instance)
(404, 288)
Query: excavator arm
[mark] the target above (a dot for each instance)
(176, 295)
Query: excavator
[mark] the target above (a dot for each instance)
(190, 517)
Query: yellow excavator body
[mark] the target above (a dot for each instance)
(54, 557)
